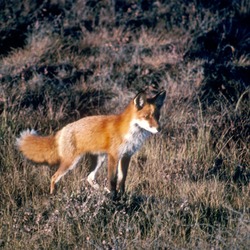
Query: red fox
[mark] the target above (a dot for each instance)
(116, 137)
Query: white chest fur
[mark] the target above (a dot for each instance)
(133, 140)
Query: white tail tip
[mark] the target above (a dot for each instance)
(24, 134)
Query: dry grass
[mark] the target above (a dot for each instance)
(188, 187)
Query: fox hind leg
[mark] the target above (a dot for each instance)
(62, 170)
(96, 163)
(64, 167)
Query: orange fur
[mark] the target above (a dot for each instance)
(39, 149)
(117, 136)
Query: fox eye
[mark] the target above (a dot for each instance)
(147, 117)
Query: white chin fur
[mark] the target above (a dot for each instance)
(145, 125)
(153, 130)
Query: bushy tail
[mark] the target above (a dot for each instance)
(37, 148)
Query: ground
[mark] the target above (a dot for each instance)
(188, 187)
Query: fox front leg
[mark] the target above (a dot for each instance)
(112, 176)
(122, 173)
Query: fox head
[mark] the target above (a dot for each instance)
(148, 111)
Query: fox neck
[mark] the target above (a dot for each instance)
(133, 139)
(134, 136)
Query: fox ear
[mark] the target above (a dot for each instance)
(159, 99)
(140, 100)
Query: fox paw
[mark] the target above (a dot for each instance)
(106, 190)
(93, 184)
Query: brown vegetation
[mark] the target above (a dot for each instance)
(188, 187)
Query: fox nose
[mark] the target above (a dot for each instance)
(159, 129)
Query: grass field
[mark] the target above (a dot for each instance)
(188, 187)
